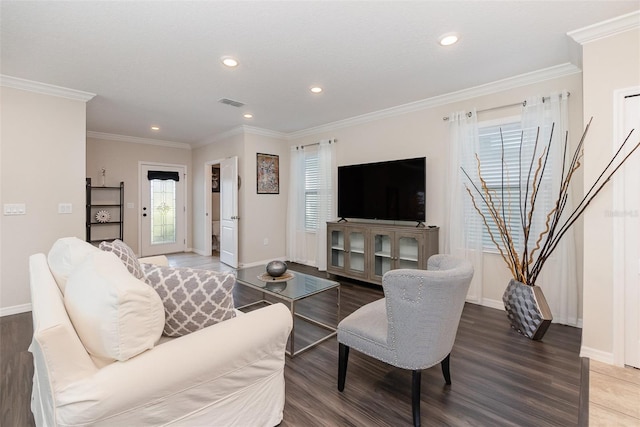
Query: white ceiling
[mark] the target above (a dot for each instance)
(158, 63)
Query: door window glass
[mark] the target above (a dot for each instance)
(163, 218)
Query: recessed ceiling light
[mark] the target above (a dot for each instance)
(247, 116)
(316, 89)
(448, 39)
(229, 61)
(155, 128)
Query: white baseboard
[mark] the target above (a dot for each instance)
(493, 303)
(16, 309)
(499, 305)
(599, 355)
(263, 262)
(201, 252)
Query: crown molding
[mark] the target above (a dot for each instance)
(242, 129)
(44, 88)
(264, 132)
(554, 72)
(136, 140)
(219, 137)
(606, 28)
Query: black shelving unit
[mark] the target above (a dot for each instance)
(110, 200)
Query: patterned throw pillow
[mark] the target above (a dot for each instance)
(193, 299)
(126, 255)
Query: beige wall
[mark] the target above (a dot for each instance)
(262, 216)
(609, 64)
(425, 133)
(202, 157)
(265, 215)
(42, 141)
(121, 160)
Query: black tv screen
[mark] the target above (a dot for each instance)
(393, 190)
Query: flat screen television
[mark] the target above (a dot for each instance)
(393, 190)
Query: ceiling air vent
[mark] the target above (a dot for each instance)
(231, 102)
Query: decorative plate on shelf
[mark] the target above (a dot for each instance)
(103, 216)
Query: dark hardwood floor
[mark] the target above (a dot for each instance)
(499, 378)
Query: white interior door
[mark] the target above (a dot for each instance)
(229, 211)
(631, 217)
(162, 209)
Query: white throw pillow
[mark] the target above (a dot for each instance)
(115, 315)
(65, 255)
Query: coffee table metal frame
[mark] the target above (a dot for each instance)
(249, 279)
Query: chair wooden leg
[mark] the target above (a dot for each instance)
(343, 358)
(415, 397)
(445, 369)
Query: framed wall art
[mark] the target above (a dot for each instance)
(268, 173)
(215, 180)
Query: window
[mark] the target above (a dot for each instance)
(491, 143)
(311, 184)
(492, 139)
(313, 192)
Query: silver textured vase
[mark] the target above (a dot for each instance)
(276, 268)
(527, 309)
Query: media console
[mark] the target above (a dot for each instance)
(365, 251)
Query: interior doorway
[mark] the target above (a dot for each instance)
(221, 209)
(215, 209)
(212, 193)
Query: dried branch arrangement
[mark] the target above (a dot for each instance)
(525, 266)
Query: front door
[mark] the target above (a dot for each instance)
(162, 209)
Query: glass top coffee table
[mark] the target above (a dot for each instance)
(295, 288)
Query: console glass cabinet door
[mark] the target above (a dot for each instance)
(347, 251)
(396, 249)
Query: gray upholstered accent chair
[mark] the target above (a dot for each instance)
(415, 325)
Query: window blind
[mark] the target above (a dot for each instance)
(312, 183)
(491, 156)
(509, 137)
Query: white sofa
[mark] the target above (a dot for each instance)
(228, 374)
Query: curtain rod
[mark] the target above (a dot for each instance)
(331, 141)
(523, 103)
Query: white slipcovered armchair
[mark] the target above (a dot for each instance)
(414, 326)
(227, 374)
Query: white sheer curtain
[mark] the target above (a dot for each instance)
(326, 199)
(558, 278)
(320, 206)
(463, 236)
(296, 232)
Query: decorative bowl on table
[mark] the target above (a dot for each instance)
(276, 268)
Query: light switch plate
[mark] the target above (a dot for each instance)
(15, 209)
(65, 208)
